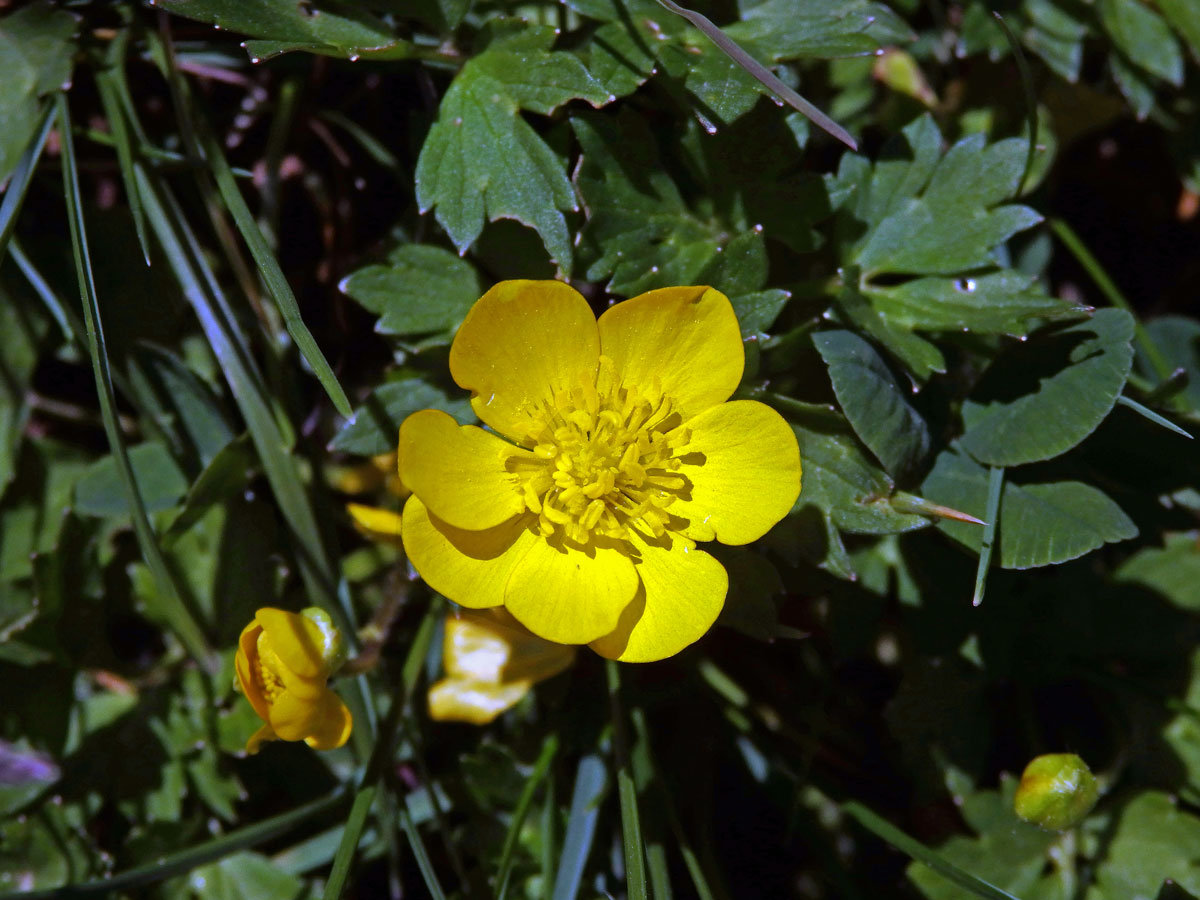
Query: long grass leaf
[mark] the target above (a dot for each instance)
(995, 489)
(1030, 99)
(1151, 415)
(185, 860)
(315, 559)
(631, 825)
(760, 72)
(591, 781)
(269, 268)
(540, 770)
(171, 605)
(918, 851)
(644, 755)
(22, 175)
(422, 856)
(105, 85)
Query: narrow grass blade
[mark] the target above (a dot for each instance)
(172, 607)
(1109, 289)
(1030, 99)
(631, 825)
(646, 780)
(418, 848)
(1151, 415)
(764, 75)
(22, 175)
(381, 754)
(995, 489)
(68, 320)
(186, 860)
(540, 769)
(315, 559)
(107, 88)
(591, 782)
(644, 750)
(923, 854)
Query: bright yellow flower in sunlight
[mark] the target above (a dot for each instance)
(491, 662)
(283, 664)
(621, 453)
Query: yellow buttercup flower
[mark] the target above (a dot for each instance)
(491, 662)
(283, 664)
(621, 454)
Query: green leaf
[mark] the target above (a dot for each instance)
(375, 425)
(1178, 339)
(779, 30)
(243, 876)
(841, 482)
(1040, 524)
(37, 45)
(1153, 840)
(1143, 38)
(421, 290)
(1006, 852)
(482, 159)
(1004, 302)
(1172, 570)
(639, 232)
(159, 479)
(873, 401)
(1184, 16)
(320, 26)
(1044, 396)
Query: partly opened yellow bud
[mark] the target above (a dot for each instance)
(283, 664)
(492, 662)
(1056, 792)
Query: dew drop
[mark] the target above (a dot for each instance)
(353, 57)
(965, 285)
(654, 269)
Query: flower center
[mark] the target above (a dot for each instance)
(607, 461)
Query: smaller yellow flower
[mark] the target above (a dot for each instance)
(492, 661)
(283, 664)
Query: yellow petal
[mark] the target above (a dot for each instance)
(681, 594)
(476, 702)
(256, 740)
(519, 340)
(570, 596)
(244, 662)
(748, 473)
(459, 471)
(686, 338)
(491, 646)
(332, 723)
(376, 523)
(297, 642)
(469, 567)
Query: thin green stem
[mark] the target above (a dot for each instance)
(1109, 289)
(541, 769)
(631, 827)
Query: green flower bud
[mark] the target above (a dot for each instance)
(333, 648)
(1056, 792)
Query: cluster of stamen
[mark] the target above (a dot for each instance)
(263, 672)
(607, 461)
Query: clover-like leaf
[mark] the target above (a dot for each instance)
(1046, 395)
(873, 401)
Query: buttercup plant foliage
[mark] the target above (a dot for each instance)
(466, 333)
